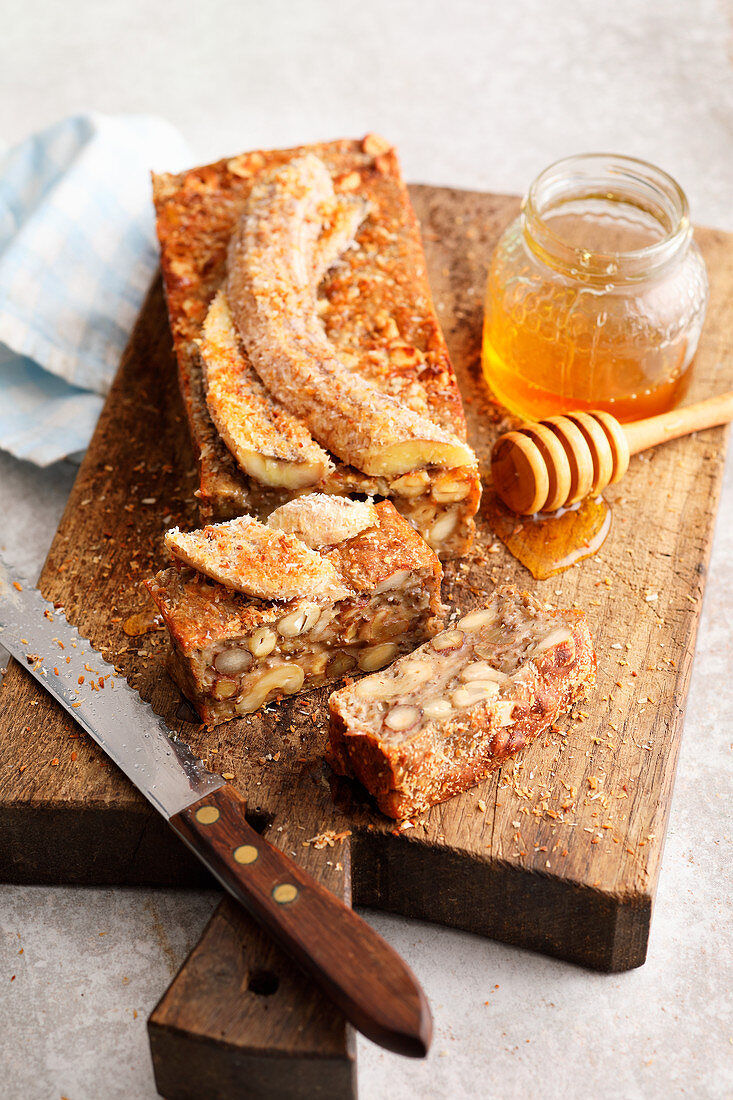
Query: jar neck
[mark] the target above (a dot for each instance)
(605, 184)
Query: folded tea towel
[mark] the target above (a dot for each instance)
(77, 254)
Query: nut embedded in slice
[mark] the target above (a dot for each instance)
(270, 444)
(320, 520)
(273, 302)
(247, 556)
(438, 721)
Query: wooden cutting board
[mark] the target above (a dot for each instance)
(559, 852)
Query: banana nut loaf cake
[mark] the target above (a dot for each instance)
(439, 720)
(328, 586)
(309, 352)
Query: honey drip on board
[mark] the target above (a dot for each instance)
(550, 544)
(142, 622)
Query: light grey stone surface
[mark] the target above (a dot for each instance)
(476, 94)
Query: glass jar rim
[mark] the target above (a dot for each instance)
(584, 175)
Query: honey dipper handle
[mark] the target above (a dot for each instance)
(691, 418)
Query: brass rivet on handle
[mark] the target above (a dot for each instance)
(284, 893)
(245, 853)
(207, 815)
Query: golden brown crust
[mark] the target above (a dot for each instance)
(249, 557)
(406, 775)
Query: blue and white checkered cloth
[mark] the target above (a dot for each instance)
(77, 254)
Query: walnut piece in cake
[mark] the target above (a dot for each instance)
(233, 652)
(439, 720)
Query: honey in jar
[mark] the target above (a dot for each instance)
(596, 294)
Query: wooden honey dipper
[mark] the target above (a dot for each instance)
(549, 464)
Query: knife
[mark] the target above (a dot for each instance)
(348, 960)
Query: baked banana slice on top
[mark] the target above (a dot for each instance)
(271, 445)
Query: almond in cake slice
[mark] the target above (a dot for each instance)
(438, 721)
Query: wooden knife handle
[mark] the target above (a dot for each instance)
(350, 962)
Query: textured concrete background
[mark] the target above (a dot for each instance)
(476, 94)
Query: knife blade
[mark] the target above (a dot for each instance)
(348, 960)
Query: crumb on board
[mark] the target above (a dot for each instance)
(327, 839)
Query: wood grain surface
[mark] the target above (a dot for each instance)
(559, 851)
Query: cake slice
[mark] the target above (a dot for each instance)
(236, 648)
(377, 320)
(437, 721)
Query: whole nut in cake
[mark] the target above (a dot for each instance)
(233, 661)
(299, 622)
(449, 639)
(411, 485)
(481, 670)
(225, 688)
(444, 526)
(262, 642)
(375, 688)
(412, 674)
(474, 693)
(437, 708)
(388, 622)
(396, 580)
(403, 718)
(377, 656)
(450, 489)
(474, 620)
(374, 145)
(340, 664)
(558, 637)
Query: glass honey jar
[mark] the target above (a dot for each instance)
(596, 294)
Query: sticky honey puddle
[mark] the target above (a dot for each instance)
(550, 544)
